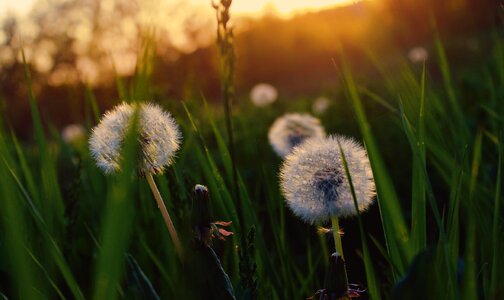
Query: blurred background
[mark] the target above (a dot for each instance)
(81, 49)
(291, 44)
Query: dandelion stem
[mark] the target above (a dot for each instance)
(337, 242)
(166, 215)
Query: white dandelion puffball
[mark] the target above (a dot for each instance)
(314, 182)
(291, 130)
(320, 105)
(159, 137)
(263, 94)
(73, 133)
(418, 55)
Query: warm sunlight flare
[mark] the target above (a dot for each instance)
(283, 7)
(239, 7)
(251, 149)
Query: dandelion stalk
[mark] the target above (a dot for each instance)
(337, 241)
(337, 237)
(164, 212)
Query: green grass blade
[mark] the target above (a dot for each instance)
(145, 67)
(373, 285)
(469, 280)
(419, 157)
(120, 86)
(419, 219)
(496, 232)
(54, 249)
(450, 89)
(15, 233)
(27, 174)
(157, 262)
(91, 102)
(384, 253)
(53, 207)
(117, 220)
(46, 274)
(394, 225)
(453, 223)
(378, 99)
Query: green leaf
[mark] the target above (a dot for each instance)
(138, 286)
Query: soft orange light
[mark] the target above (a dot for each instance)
(282, 7)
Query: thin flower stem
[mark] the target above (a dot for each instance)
(337, 241)
(337, 237)
(166, 215)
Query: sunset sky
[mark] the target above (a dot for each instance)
(240, 7)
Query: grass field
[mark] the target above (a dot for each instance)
(434, 142)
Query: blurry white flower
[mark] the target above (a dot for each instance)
(418, 55)
(291, 130)
(73, 133)
(159, 137)
(263, 94)
(320, 105)
(314, 182)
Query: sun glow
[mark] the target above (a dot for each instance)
(239, 7)
(283, 7)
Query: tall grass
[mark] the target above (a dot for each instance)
(437, 232)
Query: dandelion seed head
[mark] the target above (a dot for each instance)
(158, 135)
(314, 182)
(263, 94)
(73, 133)
(418, 55)
(320, 105)
(291, 130)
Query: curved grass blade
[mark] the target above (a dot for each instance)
(496, 222)
(15, 233)
(373, 285)
(54, 249)
(419, 219)
(449, 88)
(117, 220)
(394, 225)
(46, 274)
(469, 280)
(53, 208)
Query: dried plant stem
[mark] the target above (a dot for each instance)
(166, 215)
(337, 241)
(227, 66)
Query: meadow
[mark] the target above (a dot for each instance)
(432, 129)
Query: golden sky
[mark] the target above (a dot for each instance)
(239, 7)
(284, 7)
(18, 6)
